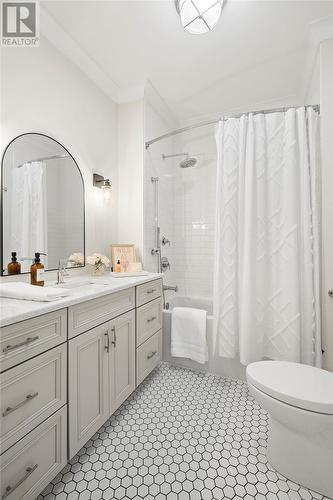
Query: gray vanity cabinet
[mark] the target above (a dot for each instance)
(88, 387)
(101, 376)
(33, 397)
(104, 363)
(73, 366)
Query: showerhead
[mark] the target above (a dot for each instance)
(188, 162)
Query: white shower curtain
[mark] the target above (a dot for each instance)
(266, 290)
(29, 217)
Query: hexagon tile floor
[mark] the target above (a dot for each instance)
(181, 435)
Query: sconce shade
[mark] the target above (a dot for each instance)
(102, 183)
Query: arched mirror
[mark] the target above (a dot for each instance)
(42, 203)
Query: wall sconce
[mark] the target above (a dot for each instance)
(102, 183)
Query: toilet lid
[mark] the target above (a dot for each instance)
(300, 385)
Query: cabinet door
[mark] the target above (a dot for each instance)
(122, 361)
(88, 385)
(27, 467)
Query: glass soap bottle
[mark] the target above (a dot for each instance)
(14, 267)
(37, 271)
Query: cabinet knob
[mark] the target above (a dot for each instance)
(330, 292)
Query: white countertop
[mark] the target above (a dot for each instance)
(84, 288)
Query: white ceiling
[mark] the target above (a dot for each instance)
(258, 52)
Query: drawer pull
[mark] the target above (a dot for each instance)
(16, 346)
(151, 290)
(114, 341)
(107, 346)
(151, 354)
(10, 409)
(151, 319)
(10, 489)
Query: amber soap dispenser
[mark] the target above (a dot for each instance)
(14, 267)
(37, 271)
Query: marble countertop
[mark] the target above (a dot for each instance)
(80, 289)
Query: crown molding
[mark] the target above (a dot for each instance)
(319, 31)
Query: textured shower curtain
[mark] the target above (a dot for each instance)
(29, 210)
(266, 290)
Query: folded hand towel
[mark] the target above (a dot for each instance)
(188, 334)
(24, 291)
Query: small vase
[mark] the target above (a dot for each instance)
(98, 270)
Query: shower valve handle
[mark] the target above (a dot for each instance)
(165, 241)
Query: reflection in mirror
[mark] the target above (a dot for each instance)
(42, 203)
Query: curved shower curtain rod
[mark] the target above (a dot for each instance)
(316, 107)
(44, 158)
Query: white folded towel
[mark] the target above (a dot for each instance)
(25, 291)
(188, 334)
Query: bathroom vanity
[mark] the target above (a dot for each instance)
(66, 367)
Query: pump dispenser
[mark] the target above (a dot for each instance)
(37, 271)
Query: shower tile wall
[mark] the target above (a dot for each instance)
(158, 121)
(186, 211)
(186, 202)
(194, 215)
(156, 167)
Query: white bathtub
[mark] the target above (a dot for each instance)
(215, 364)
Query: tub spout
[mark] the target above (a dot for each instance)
(173, 288)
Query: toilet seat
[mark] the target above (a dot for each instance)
(299, 385)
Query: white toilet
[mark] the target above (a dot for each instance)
(299, 400)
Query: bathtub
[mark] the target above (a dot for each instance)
(221, 366)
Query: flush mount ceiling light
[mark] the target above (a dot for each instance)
(105, 184)
(199, 16)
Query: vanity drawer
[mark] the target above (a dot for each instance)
(148, 320)
(29, 465)
(148, 291)
(30, 393)
(21, 341)
(148, 355)
(83, 317)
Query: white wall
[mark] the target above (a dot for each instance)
(43, 92)
(326, 108)
(130, 168)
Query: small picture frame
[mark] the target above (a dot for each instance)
(124, 253)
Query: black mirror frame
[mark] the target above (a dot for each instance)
(2, 265)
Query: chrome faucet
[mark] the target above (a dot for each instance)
(61, 272)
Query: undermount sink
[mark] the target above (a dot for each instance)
(86, 282)
(75, 285)
(70, 284)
